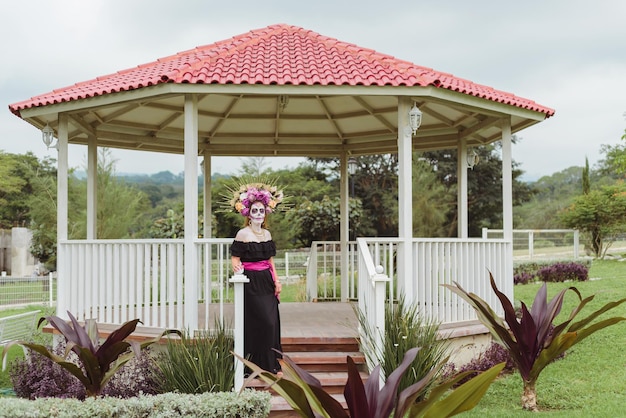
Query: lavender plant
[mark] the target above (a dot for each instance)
(561, 272)
(40, 377)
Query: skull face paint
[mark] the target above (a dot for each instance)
(257, 213)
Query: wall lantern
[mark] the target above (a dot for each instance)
(352, 165)
(47, 134)
(415, 118)
(472, 158)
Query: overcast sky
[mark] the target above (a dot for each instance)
(569, 55)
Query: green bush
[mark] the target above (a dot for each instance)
(247, 404)
(200, 364)
(405, 328)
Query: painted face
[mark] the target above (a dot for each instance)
(257, 213)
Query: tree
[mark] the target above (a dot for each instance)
(120, 206)
(484, 185)
(614, 163)
(601, 214)
(16, 186)
(320, 220)
(552, 194)
(432, 202)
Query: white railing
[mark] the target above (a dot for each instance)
(466, 262)
(323, 274)
(118, 280)
(371, 301)
(115, 281)
(435, 261)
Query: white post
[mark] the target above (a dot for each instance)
(531, 244)
(507, 201)
(405, 200)
(286, 265)
(462, 174)
(63, 284)
(576, 243)
(50, 289)
(207, 216)
(238, 281)
(191, 213)
(379, 281)
(344, 234)
(92, 187)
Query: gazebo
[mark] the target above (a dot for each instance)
(276, 91)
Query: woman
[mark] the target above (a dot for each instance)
(252, 254)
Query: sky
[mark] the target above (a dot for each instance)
(569, 55)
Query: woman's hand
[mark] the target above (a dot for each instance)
(278, 288)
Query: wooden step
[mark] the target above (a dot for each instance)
(332, 382)
(346, 344)
(325, 361)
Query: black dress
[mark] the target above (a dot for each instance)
(261, 317)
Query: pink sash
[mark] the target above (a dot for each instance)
(260, 265)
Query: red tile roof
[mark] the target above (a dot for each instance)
(280, 55)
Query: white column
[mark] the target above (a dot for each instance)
(207, 229)
(507, 202)
(92, 187)
(63, 284)
(405, 199)
(191, 212)
(507, 180)
(344, 231)
(463, 222)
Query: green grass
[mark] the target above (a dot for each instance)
(16, 351)
(591, 380)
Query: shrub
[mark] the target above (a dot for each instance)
(140, 375)
(561, 272)
(523, 278)
(493, 355)
(201, 364)
(40, 377)
(405, 328)
(94, 363)
(248, 404)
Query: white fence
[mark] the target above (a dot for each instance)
(23, 291)
(533, 244)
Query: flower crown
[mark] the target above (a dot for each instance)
(242, 197)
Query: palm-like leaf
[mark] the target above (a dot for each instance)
(306, 396)
(99, 362)
(534, 341)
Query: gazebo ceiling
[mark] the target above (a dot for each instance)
(280, 90)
